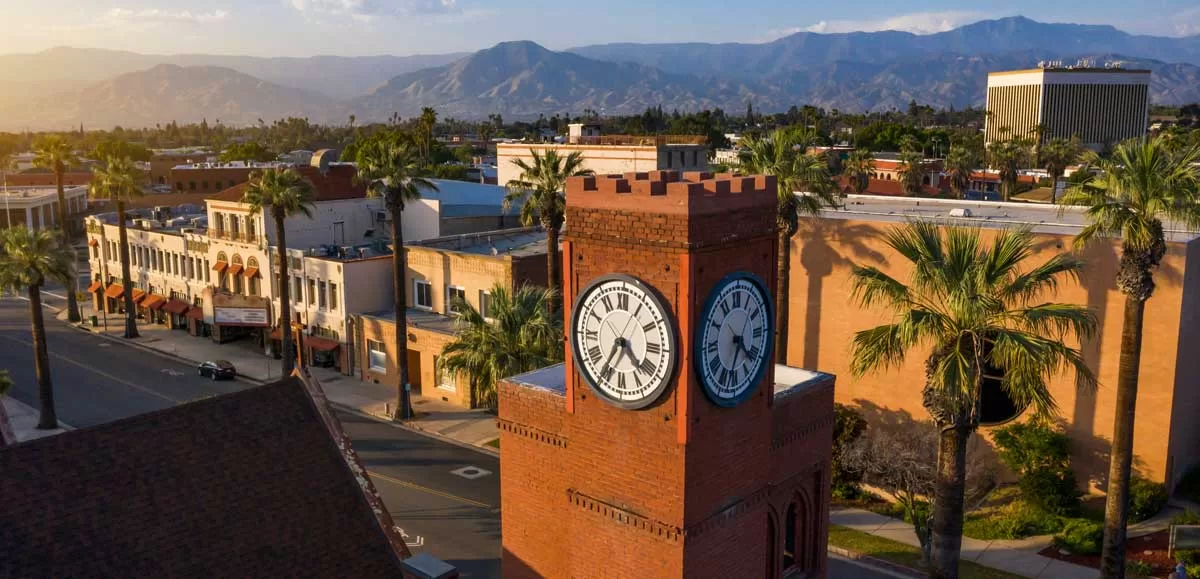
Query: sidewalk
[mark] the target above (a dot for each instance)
(24, 419)
(473, 428)
(1019, 557)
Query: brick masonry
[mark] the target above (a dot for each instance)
(681, 488)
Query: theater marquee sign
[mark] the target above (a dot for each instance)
(235, 310)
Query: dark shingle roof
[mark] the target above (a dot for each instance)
(249, 484)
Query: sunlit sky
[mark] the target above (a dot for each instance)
(357, 27)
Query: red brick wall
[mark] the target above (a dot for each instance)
(207, 180)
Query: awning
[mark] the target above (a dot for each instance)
(115, 291)
(195, 313)
(250, 272)
(95, 287)
(275, 335)
(154, 302)
(321, 344)
(138, 296)
(220, 266)
(235, 269)
(93, 242)
(175, 307)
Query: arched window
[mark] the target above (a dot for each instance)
(222, 266)
(790, 547)
(235, 271)
(772, 548)
(253, 278)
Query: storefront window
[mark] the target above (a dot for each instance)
(376, 356)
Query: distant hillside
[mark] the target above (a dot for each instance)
(335, 76)
(168, 93)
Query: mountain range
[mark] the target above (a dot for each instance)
(64, 87)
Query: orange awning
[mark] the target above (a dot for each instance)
(322, 344)
(138, 296)
(154, 302)
(92, 242)
(115, 291)
(195, 313)
(220, 266)
(235, 269)
(96, 286)
(175, 307)
(250, 272)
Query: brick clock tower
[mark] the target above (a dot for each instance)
(668, 444)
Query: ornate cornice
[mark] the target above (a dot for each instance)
(789, 436)
(625, 516)
(550, 438)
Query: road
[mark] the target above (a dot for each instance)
(454, 517)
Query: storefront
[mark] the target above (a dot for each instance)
(176, 313)
(196, 325)
(319, 352)
(238, 317)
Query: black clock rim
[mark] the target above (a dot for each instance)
(697, 338)
(672, 337)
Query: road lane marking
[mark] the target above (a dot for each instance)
(99, 372)
(418, 487)
(471, 472)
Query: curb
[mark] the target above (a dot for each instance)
(875, 563)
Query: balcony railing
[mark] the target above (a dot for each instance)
(234, 236)
(640, 140)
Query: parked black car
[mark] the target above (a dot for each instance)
(217, 370)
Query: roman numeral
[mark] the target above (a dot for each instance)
(638, 310)
(595, 315)
(653, 348)
(714, 364)
(737, 299)
(638, 380)
(647, 367)
(621, 381)
(623, 301)
(754, 352)
(724, 308)
(758, 332)
(591, 335)
(724, 379)
(606, 373)
(754, 314)
(711, 347)
(594, 354)
(607, 302)
(650, 327)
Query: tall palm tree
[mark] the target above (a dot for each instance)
(118, 180)
(961, 162)
(539, 189)
(978, 309)
(280, 193)
(1008, 157)
(524, 334)
(1055, 155)
(392, 169)
(858, 168)
(1142, 184)
(911, 172)
(28, 259)
(426, 124)
(782, 155)
(54, 153)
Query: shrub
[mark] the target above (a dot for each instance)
(1016, 520)
(1190, 560)
(1135, 568)
(1041, 457)
(1146, 499)
(1081, 537)
(848, 426)
(1188, 517)
(1054, 492)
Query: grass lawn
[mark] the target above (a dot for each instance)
(495, 443)
(903, 554)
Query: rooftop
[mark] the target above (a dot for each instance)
(521, 242)
(420, 319)
(163, 219)
(626, 141)
(335, 184)
(37, 194)
(1042, 218)
(231, 165)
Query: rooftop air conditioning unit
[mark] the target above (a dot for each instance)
(187, 230)
(382, 216)
(960, 212)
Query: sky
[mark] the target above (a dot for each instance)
(402, 27)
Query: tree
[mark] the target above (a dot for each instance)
(425, 125)
(6, 165)
(249, 151)
(1142, 184)
(114, 148)
(911, 172)
(53, 152)
(28, 259)
(1055, 156)
(392, 169)
(960, 163)
(280, 193)
(118, 181)
(976, 308)
(1009, 157)
(858, 168)
(782, 155)
(524, 334)
(539, 190)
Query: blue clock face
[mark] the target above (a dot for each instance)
(734, 339)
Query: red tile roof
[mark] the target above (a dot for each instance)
(335, 185)
(887, 187)
(247, 484)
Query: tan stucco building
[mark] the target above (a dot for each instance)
(824, 318)
(612, 154)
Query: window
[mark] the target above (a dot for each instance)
(321, 299)
(297, 289)
(422, 294)
(207, 275)
(312, 290)
(454, 293)
(485, 304)
(333, 296)
(252, 286)
(179, 185)
(789, 537)
(192, 185)
(445, 380)
(95, 251)
(376, 356)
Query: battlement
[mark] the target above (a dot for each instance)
(672, 192)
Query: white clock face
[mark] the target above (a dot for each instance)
(623, 341)
(734, 339)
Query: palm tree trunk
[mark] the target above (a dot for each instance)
(1116, 508)
(131, 330)
(72, 301)
(552, 264)
(400, 267)
(783, 268)
(288, 359)
(41, 361)
(949, 492)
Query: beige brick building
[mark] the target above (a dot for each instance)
(611, 154)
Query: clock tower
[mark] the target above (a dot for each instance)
(668, 444)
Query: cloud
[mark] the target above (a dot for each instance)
(1187, 22)
(917, 23)
(368, 10)
(158, 16)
